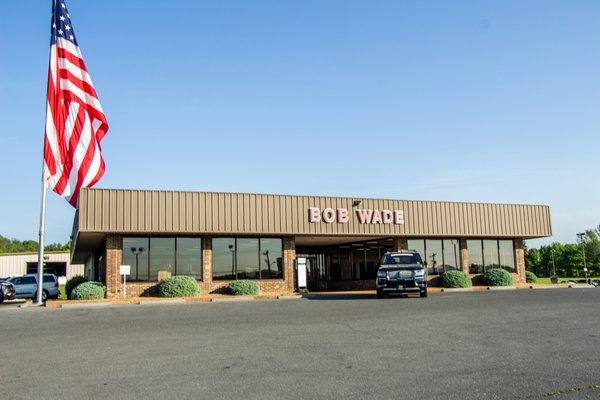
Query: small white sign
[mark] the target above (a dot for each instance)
(301, 263)
(125, 270)
(585, 269)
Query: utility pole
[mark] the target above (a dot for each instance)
(581, 237)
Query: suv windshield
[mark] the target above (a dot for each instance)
(403, 258)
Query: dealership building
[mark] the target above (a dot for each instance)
(219, 237)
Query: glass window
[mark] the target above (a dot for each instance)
(507, 255)
(490, 254)
(372, 257)
(417, 245)
(223, 258)
(247, 263)
(247, 258)
(345, 257)
(334, 269)
(358, 261)
(475, 256)
(451, 254)
(401, 258)
(434, 256)
(271, 255)
(135, 254)
(189, 257)
(162, 256)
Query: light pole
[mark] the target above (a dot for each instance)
(233, 269)
(455, 255)
(553, 265)
(581, 237)
(266, 254)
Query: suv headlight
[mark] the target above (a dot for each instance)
(381, 274)
(419, 273)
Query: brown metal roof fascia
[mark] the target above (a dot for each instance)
(183, 212)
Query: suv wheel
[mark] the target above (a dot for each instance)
(44, 296)
(423, 292)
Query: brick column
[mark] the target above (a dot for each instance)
(289, 258)
(112, 260)
(520, 260)
(464, 256)
(399, 244)
(206, 263)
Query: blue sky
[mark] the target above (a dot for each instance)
(436, 100)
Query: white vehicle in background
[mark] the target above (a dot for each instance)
(26, 287)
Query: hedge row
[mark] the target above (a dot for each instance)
(89, 291)
(243, 288)
(456, 279)
(492, 277)
(179, 286)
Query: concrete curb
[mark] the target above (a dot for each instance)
(162, 301)
(457, 290)
(289, 297)
(29, 303)
(500, 288)
(231, 299)
(87, 305)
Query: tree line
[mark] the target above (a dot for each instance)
(566, 259)
(23, 246)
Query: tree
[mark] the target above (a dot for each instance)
(16, 246)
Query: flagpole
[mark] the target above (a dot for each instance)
(40, 271)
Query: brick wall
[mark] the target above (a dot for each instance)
(399, 244)
(464, 256)
(520, 260)
(112, 260)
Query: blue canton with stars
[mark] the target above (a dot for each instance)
(61, 23)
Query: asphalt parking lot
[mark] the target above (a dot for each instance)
(526, 344)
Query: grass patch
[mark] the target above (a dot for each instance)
(546, 281)
(62, 294)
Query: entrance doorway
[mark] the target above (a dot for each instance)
(343, 266)
(56, 268)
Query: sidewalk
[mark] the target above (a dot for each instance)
(222, 298)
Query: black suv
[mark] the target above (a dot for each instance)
(402, 272)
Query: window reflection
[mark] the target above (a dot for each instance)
(271, 258)
(247, 258)
(223, 258)
(135, 254)
(507, 255)
(451, 254)
(475, 250)
(434, 256)
(490, 254)
(162, 257)
(189, 257)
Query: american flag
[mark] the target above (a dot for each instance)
(75, 122)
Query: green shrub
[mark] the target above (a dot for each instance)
(497, 277)
(88, 291)
(243, 288)
(72, 284)
(179, 286)
(456, 279)
(530, 277)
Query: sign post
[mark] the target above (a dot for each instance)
(124, 270)
(301, 265)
